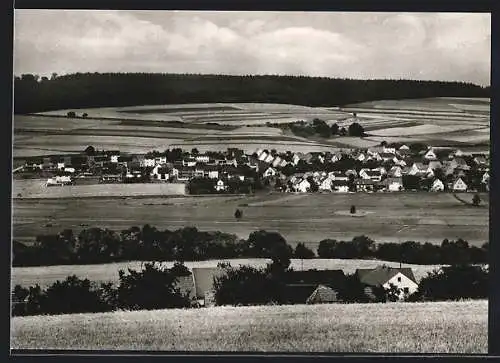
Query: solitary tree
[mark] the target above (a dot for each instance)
(90, 150)
(353, 209)
(85, 115)
(476, 200)
(238, 214)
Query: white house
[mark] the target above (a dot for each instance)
(303, 186)
(404, 147)
(263, 156)
(361, 157)
(277, 161)
(390, 150)
(69, 169)
(269, 172)
(385, 276)
(161, 160)
(430, 154)
(486, 178)
(406, 285)
(269, 159)
(437, 186)
(148, 162)
(220, 186)
(114, 158)
(326, 184)
(395, 172)
(459, 185)
(202, 158)
(60, 165)
(394, 184)
(421, 169)
(399, 162)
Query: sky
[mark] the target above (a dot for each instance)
(423, 46)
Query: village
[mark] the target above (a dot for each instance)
(385, 168)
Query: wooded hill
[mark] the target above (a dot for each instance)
(87, 90)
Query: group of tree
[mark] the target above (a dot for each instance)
(152, 287)
(322, 129)
(248, 285)
(85, 90)
(96, 245)
(448, 253)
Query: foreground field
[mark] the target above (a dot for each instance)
(444, 327)
(108, 272)
(309, 218)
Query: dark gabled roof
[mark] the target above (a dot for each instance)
(337, 183)
(322, 294)
(298, 293)
(380, 275)
(332, 278)
(373, 172)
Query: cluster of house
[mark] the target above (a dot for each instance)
(445, 168)
(379, 168)
(307, 286)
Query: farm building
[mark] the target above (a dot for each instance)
(220, 186)
(384, 276)
(269, 172)
(437, 186)
(393, 184)
(430, 155)
(313, 286)
(340, 186)
(459, 185)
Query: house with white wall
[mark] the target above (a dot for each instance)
(384, 276)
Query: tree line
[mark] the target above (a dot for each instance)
(96, 245)
(155, 287)
(33, 93)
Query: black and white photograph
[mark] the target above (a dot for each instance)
(250, 181)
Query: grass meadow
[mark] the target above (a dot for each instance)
(434, 327)
(308, 218)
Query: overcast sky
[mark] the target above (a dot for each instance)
(427, 46)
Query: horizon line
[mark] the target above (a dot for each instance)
(257, 75)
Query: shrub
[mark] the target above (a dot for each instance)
(246, 285)
(151, 288)
(301, 251)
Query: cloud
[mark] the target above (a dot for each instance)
(358, 45)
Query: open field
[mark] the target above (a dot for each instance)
(36, 188)
(461, 122)
(386, 217)
(217, 126)
(108, 272)
(433, 327)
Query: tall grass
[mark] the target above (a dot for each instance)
(443, 327)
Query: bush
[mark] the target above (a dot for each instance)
(247, 285)
(301, 251)
(453, 283)
(353, 209)
(71, 296)
(151, 288)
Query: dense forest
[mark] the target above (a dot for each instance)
(85, 90)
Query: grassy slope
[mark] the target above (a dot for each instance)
(444, 327)
(46, 275)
